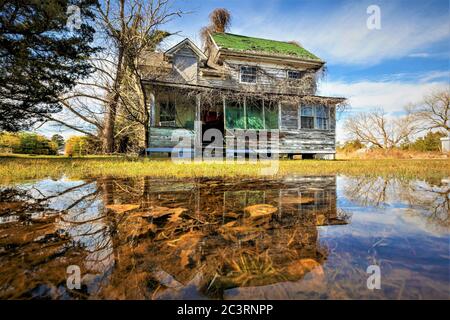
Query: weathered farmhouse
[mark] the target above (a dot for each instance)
(240, 83)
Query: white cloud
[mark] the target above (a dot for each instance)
(342, 36)
(392, 96)
(419, 55)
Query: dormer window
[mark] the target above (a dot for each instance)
(248, 74)
(294, 74)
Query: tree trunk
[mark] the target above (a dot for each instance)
(111, 110)
(108, 133)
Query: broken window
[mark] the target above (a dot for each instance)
(248, 74)
(294, 74)
(167, 113)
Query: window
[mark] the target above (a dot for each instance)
(248, 74)
(167, 113)
(307, 117)
(314, 117)
(321, 118)
(289, 116)
(271, 114)
(294, 74)
(255, 115)
(235, 115)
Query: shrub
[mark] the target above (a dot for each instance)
(9, 143)
(351, 146)
(80, 146)
(430, 142)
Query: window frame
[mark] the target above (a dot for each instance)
(315, 117)
(241, 74)
(263, 115)
(166, 101)
(296, 71)
(327, 118)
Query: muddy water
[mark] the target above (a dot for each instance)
(297, 238)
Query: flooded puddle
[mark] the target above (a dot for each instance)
(296, 238)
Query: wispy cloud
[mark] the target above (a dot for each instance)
(341, 35)
(391, 96)
(419, 55)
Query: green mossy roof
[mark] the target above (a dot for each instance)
(236, 42)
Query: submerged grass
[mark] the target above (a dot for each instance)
(16, 169)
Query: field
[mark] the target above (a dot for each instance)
(20, 168)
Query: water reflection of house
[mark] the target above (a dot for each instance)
(215, 234)
(302, 196)
(286, 242)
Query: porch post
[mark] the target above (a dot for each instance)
(198, 130)
(151, 119)
(152, 109)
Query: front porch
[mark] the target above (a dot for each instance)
(178, 115)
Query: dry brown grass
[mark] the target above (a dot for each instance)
(391, 154)
(16, 169)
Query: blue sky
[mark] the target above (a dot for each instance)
(388, 68)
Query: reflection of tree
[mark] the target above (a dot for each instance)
(431, 201)
(64, 226)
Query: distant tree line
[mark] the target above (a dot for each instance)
(27, 143)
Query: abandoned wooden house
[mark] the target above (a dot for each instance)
(240, 83)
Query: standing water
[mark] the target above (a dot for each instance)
(321, 237)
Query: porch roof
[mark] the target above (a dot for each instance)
(229, 91)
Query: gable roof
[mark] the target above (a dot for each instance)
(234, 42)
(187, 42)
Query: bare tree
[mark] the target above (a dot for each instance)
(378, 129)
(126, 29)
(434, 111)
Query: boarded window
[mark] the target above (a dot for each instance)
(271, 114)
(255, 119)
(235, 115)
(289, 116)
(307, 117)
(248, 74)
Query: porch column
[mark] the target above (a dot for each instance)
(198, 130)
(151, 115)
(152, 109)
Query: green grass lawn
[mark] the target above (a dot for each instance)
(20, 168)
